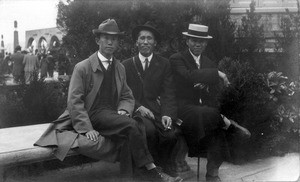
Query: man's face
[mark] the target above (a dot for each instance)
(146, 42)
(107, 44)
(196, 45)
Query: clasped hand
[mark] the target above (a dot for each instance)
(92, 135)
(145, 112)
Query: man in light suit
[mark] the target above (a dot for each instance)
(31, 65)
(96, 122)
(150, 78)
(203, 125)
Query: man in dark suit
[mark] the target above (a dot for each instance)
(203, 125)
(96, 122)
(18, 67)
(150, 79)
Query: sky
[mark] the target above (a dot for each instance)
(30, 15)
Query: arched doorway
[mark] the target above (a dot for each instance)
(31, 43)
(54, 43)
(42, 45)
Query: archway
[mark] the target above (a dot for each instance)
(54, 43)
(31, 43)
(42, 45)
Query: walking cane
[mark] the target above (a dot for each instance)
(198, 168)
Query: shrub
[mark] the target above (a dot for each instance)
(170, 17)
(38, 102)
(266, 104)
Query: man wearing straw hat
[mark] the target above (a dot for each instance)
(96, 122)
(203, 125)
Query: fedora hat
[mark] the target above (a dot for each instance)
(147, 26)
(108, 26)
(198, 31)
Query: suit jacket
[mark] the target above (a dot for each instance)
(85, 83)
(157, 82)
(31, 62)
(18, 67)
(187, 74)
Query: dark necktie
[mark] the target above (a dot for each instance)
(146, 64)
(109, 64)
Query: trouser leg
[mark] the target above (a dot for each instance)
(119, 127)
(216, 152)
(160, 142)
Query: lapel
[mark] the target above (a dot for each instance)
(139, 65)
(118, 77)
(190, 62)
(204, 62)
(97, 78)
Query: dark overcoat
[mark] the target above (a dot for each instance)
(156, 92)
(199, 119)
(18, 67)
(69, 129)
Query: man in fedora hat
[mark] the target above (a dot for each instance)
(96, 122)
(203, 125)
(150, 79)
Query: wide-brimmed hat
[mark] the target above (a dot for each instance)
(108, 26)
(198, 31)
(147, 26)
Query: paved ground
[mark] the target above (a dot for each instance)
(279, 169)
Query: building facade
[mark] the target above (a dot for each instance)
(43, 39)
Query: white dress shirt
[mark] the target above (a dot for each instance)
(104, 60)
(196, 58)
(143, 58)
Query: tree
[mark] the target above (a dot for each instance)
(250, 35)
(77, 19)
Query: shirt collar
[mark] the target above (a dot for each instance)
(196, 58)
(142, 58)
(102, 58)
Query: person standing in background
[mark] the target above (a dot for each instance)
(44, 66)
(18, 67)
(31, 65)
(51, 64)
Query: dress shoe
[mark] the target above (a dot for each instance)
(238, 130)
(210, 178)
(152, 175)
(171, 175)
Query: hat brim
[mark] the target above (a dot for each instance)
(196, 36)
(139, 28)
(97, 32)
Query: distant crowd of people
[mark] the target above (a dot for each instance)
(23, 65)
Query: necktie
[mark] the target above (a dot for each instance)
(109, 64)
(146, 64)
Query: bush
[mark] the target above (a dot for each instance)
(266, 104)
(171, 18)
(38, 102)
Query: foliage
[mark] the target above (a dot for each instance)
(250, 35)
(78, 18)
(38, 102)
(289, 26)
(285, 94)
(266, 104)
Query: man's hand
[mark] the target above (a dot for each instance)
(145, 112)
(166, 122)
(92, 135)
(224, 77)
(122, 112)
